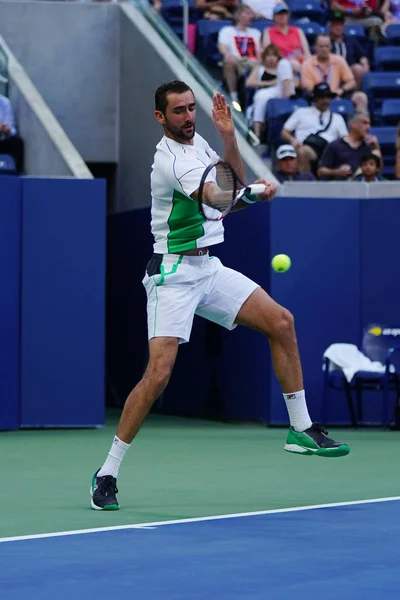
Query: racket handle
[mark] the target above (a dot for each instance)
(255, 188)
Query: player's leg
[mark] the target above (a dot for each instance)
(235, 299)
(262, 313)
(162, 356)
(173, 293)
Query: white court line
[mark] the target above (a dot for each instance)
(156, 524)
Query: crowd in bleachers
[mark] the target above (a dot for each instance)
(320, 79)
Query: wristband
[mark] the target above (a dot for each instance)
(250, 199)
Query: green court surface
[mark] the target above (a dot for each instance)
(180, 468)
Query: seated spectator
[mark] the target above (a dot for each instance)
(364, 12)
(311, 128)
(10, 143)
(217, 9)
(274, 79)
(348, 47)
(370, 166)
(240, 48)
(263, 9)
(390, 11)
(287, 166)
(290, 40)
(342, 157)
(327, 67)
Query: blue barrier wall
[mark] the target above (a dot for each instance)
(63, 297)
(10, 257)
(345, 258)
(52, 271)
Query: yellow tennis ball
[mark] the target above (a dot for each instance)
(281, 263)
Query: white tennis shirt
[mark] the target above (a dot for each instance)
(176, 222)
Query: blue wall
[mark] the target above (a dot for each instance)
(52, 269)
(345, 256)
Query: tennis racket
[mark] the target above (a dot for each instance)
(223, 191)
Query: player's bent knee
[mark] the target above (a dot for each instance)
(158, 375)
(284, 324)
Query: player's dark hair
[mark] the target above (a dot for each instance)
(169, 87)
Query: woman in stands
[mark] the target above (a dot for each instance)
(274, 79)
(290, 40)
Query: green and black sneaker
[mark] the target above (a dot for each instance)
(314, 441)
(103, 493)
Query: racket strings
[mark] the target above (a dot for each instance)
(222, 195)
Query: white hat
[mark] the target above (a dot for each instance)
(285, 151)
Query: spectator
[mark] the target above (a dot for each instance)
(10, 143)
(348, 47)
(390, 10)
(364, 12)
(263, 9)
(370, 166)
(342, 157)
(240, 48)
(290, 40)
(274, 79)
(217, 9)
(327, 67)
(311, 128)
(287, 167)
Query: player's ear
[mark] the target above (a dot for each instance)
(159, 116)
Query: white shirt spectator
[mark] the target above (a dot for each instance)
(284, 72)
(241, 43)
(305, 121)
(262, 7)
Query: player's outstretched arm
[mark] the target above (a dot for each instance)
(223, 121)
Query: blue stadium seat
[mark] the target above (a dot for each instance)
(311, 30)
(387, 58)
(7, 165)
(278, 111)
(310, 9)
(387, 140)
(380, 86)
(354, 29)
(262, 24)
(342, 107)
(393, 34)
(390, 114)
(207, 40)
(172, 12)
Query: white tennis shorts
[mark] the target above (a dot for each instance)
(178, 287)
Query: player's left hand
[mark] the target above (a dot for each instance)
(270, 190)
(222, 115)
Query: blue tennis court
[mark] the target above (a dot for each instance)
(347, 551)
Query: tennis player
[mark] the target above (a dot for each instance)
(182, 280)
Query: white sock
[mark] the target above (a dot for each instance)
(114, 458)
(298, 411)
(234, 96)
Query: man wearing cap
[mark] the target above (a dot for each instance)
(307, 124)
(348, 47)
(326, 67)
(287, 168)
(290, 40)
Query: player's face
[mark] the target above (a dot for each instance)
(179, 118)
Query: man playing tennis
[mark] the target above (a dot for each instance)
(182, 280)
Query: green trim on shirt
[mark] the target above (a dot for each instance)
(185, 223)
